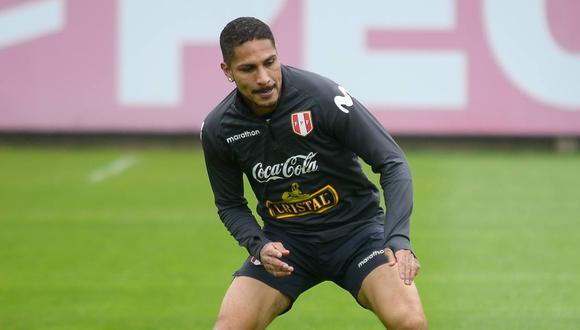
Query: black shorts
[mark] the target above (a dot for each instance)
(345, 261)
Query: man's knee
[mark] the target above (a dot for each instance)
(415, 320)
(223, 322)
(409, 317)
(227, 322)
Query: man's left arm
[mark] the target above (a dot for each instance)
(360, 132)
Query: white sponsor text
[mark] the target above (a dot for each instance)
(369, 257)
(242, 135)
(293, 166)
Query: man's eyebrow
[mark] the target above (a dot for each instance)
(252, 65)
(246, 66)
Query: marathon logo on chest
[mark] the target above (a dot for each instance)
(302, 123)
(243, 135)
(295, 203)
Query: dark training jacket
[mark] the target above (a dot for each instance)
(303, 165)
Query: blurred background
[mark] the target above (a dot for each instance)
(106, 216)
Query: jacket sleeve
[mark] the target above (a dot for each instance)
(357, 129)
(227, 184)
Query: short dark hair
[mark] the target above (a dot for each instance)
(240, 30)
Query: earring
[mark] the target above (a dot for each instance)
(230, 79)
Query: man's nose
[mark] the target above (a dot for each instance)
(263, 78)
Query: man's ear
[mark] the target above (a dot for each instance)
(227, 72)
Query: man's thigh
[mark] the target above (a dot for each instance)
(250, 304)
(395, 303)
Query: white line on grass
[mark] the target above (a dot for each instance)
(116, 167)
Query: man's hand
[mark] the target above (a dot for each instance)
(408, 265)
(270, 257)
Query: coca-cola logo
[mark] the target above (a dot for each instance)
(293, 166)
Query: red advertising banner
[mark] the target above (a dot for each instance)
(445, 67)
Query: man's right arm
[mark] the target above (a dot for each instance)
(226, 182)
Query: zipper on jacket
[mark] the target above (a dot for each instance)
(271, 133)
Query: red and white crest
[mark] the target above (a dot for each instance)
(255, 261)
(302, 123)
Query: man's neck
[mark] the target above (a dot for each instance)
(263, 111)
(258, 110)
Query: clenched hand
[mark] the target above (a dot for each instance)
(270, 257)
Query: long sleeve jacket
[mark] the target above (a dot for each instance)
(303, 165)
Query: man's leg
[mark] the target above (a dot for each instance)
(250, 304)
(397, 305)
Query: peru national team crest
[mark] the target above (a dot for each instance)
(302, 123)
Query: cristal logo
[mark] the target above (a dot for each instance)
(293, 166)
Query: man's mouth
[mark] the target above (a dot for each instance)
(265, 91)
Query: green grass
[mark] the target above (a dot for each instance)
(498, 236)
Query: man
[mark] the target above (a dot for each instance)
(297, 137)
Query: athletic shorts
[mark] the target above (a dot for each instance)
(345, 261)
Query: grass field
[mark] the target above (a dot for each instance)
(498, 235)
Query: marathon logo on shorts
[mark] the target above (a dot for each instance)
(369, 257)
(302, 123)
(294, 203)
